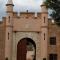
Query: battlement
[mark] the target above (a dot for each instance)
(27, 14)
(15, 14)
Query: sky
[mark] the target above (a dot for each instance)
(21, 5)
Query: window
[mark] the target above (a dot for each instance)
(44, 58)
(44, 19)
(8, 35)
(9, 19)
(6, 58)
(52, 40)
(53, 57)
(44, 36)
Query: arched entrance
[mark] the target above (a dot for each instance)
(26, 49)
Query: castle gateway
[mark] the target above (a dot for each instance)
(28, 36)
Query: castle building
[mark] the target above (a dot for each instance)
(28, 36)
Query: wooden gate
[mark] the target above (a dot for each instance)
(21, 50)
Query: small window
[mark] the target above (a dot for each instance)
(8, 35)
(44, 36)
(44, 58)
(52, 40)
(53, 57)
(9, 19)
(44, 19)
(6, 58)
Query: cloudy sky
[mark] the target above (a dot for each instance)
(21, 5)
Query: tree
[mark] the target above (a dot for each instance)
(55, 6)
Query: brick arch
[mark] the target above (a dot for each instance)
(22, 48)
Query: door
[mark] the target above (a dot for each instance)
(21, 50)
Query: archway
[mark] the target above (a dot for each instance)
(26, 49)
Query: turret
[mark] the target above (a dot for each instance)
(44, 15)
(44, 31)
(8, 30)
(9, 7)
(44, 8)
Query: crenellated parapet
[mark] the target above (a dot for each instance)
(15, 14)
(27, 15)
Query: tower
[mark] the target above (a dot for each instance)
(9, 7)
(44, 31)
(8, 30)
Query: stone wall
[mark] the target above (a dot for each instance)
(17, 36)
(2, 42)
(54, 31)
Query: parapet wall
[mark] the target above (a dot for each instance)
(27, 14)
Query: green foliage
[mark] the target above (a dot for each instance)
(55, 6)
